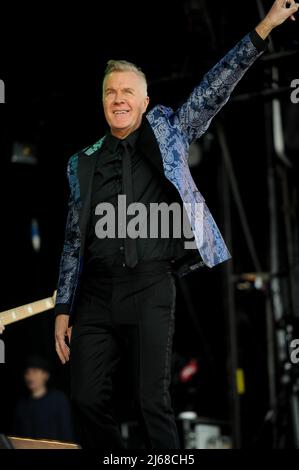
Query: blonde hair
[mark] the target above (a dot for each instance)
(123, 66)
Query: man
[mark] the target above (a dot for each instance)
(45, 412)
(116, 295)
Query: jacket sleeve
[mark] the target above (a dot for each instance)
(69, 261)
(194, 116)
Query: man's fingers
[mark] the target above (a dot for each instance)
(62, 349)
(293, 9)
(69, 333)
(281, 11)
(59, 352)
(61, 331)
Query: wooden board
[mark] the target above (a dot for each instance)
(28, 443)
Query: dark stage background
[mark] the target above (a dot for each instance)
(52, 64)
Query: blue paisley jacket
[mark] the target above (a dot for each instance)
(166, 137)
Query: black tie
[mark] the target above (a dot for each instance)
(131, 256)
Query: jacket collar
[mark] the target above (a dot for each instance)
(111, 142)
(146, 143)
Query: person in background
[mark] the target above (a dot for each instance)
(45, 412)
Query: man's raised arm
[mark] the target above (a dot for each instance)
(194, 116)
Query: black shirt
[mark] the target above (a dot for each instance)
(47, 417)
(148, 188)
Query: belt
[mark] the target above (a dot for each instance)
(146, 266)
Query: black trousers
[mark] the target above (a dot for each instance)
(119, 311)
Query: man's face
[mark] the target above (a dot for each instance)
(124, 100)
(35, 378)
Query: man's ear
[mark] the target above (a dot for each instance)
(146, 102)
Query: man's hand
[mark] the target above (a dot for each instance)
(61, 331)
(281, 10)
(2, 328)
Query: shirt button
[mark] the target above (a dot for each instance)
(121, 247)
(124, 264)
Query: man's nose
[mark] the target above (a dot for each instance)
(118, 98)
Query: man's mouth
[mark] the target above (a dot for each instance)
(119, 112)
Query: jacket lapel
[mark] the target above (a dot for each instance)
(86, 167)
(148, 146)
